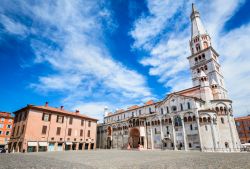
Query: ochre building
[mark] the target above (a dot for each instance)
(197, 118)
(6, 123)
(243, 127)
(45, 128)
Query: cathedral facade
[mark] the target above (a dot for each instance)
(197, 118)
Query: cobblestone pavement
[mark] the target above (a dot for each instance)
(125, 159)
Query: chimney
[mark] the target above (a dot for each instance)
(77, 111)
(62, 107)
(46, 104)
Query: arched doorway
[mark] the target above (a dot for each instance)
(109, 138)
(134, 138)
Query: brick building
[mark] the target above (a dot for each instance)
(6, 123)
(243, 128)
(44, 128)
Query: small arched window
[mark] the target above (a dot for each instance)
(167, 110)
(205, 44)
(226, 144)
(197, 47)
(188, 105)
(222, 120)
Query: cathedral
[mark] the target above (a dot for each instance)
(197, 118)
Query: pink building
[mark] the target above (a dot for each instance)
(44, 128)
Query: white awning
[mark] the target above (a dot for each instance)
(68, 143)
(43, 144)
(34, 144)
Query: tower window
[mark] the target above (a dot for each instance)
(198, 47)
(196, 59)
(222, 120)
(205, 44)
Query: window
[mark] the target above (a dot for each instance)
(174, 108)
(88, 133)
(167, 110)
(71, 120)
(59, 119)
(82, 122)
(44, 130)
(150, 110)
(9, 126)
(181, 107)
(89, 124)
(197, 47)
(81, 133)
(46, 117)
(222, 120)
(190, 145)
(226, 144)
(69, 131)
(17, 132)
(10, 120)
(2, 119)
(155, 131)
(205, 44)
(162, 111)
(7, 133)
(1, 132)
(58, 130)
(189, 106)
(206, 127)
(139, 112)
(1, 125)
(191, 127)
(23, 129)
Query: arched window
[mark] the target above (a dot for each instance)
(226, 145)
(194, 118)
(167, 110)
(185, 119)
(174, 108)
(181, 107)
(222, 120)
(205, 44)
(188, 105)
(191, 127)
(162, 111)
(189, 118)
(195, 59)
(203, 56)
(197, 46)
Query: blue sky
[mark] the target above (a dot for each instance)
(90, 54)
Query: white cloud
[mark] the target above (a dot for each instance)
(13, 27)
(167, 56)
(68, 35)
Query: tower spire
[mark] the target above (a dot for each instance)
(197, 26)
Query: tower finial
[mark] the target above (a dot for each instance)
(193, 8)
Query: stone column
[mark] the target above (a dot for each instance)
(199, 130)
(184, 133)
(231, 132)
(152, 139)
(173, 130)
(213, 135)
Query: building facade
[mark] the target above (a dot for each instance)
(44, 128)
(6, 123)
(243, 128)
(197, 118)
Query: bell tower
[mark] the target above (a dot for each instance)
(203, 56)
